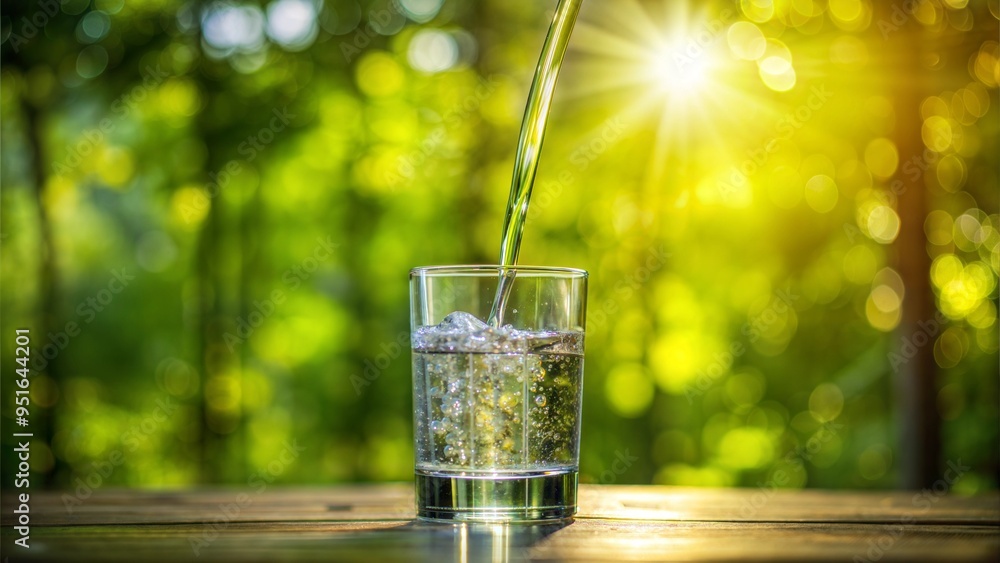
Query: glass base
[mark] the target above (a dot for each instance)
(523, 496)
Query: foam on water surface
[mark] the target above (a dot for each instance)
(496, 399)
(464, 332)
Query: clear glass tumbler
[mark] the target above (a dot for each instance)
(497, 408)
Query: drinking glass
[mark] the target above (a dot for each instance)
(497, 408)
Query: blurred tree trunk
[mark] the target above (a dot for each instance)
(915, 383)
(203, 272)
(48, 304)
(217, 304)
(208, 333)
(472, 204)
(220, 298)
(252, 224)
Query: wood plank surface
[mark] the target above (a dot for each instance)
(628, 523)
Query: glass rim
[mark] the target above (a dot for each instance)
(495, 270)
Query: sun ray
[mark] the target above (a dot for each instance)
(618, 77)
(600, 41)
(692, 90)
(631, 17)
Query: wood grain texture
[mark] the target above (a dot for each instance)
(375, 523)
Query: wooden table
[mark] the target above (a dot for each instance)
(616, 523)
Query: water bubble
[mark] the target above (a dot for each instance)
(483, 416)
(540, 400)
(508, 401)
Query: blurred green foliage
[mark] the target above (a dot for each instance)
(269, 171)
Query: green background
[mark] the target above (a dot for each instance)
(269, 194)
